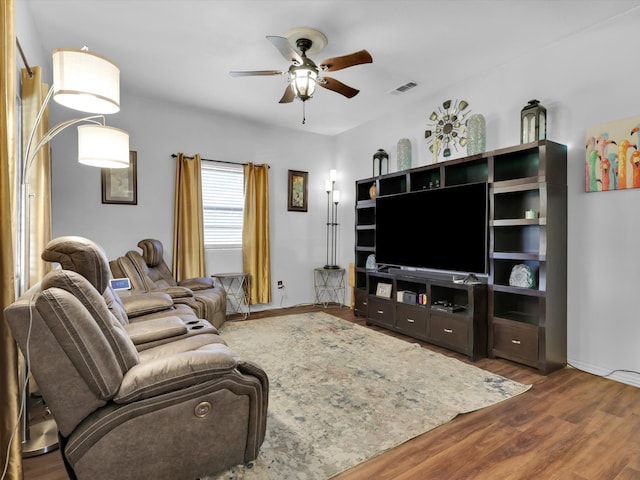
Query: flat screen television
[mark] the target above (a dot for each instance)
(436, 229)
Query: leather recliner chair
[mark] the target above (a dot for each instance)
(182, 410)
(150, 319)
(149, 272)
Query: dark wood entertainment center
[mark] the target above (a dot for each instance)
(493, 318)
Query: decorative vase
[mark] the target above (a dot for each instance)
(373, 191)
(476, 134)
(404, 154)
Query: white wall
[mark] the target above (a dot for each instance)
(589, 79)
(158, 130)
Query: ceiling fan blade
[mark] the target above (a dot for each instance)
(339, 87)
(338, 63)
(254, 73)
(288, 95)
(286, 49)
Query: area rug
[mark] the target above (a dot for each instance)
(341, 393)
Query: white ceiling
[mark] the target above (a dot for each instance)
(182, 50)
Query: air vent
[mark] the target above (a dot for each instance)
(403, 88)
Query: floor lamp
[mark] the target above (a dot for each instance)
(88, 83)
(333, 197)
(334, 225)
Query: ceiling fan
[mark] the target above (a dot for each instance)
(303, 74)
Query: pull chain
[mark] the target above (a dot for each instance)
(304, 117)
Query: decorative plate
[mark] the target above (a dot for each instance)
(371, 262)
(448, 128)
(521, 276)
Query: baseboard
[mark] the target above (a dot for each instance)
(622, 376)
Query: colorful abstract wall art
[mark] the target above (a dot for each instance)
(612, 160)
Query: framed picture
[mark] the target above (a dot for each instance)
(297, 196)
(120, 185)
(383, 290)
(612, 160)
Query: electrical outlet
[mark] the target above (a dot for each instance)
(280, 284)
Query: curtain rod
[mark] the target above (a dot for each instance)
(173, 155)
(24, 59)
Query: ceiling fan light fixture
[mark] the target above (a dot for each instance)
(303, 82)
(304, 75)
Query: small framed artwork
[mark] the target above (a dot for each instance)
(120, 185)
(297, 195)
(383, 290)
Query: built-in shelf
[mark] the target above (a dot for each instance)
(445, 313)
(526, 325)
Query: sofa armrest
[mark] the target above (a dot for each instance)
(155, 329)
(251, 368)
(197, 283)
(174, 372)
(175, 292)
(138, 304)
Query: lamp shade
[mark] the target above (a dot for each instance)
(304, 82)
(102, 146)
(328, 185)
(85, 81)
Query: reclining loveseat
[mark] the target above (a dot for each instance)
(184, 409)
(148, 272)
(149, 318)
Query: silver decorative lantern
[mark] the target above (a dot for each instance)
(380, 163)
(533, 122)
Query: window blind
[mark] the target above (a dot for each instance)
(222, 204)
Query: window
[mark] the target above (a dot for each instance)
(222, 204)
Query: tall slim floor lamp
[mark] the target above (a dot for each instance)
(333, 197)
(89, 83)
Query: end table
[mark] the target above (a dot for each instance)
(237, 287)
(329, 285)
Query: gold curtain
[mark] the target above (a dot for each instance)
(256, 245)
(39, 228)
(188, 227)
(9, 384)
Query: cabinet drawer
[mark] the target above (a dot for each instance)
(450, 330)
(361, 302)
(411, 320)
(515, 341)
(380, 311)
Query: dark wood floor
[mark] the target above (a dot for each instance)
(571, 425)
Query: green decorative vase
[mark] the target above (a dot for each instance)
(476, 134)
(404, 154)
